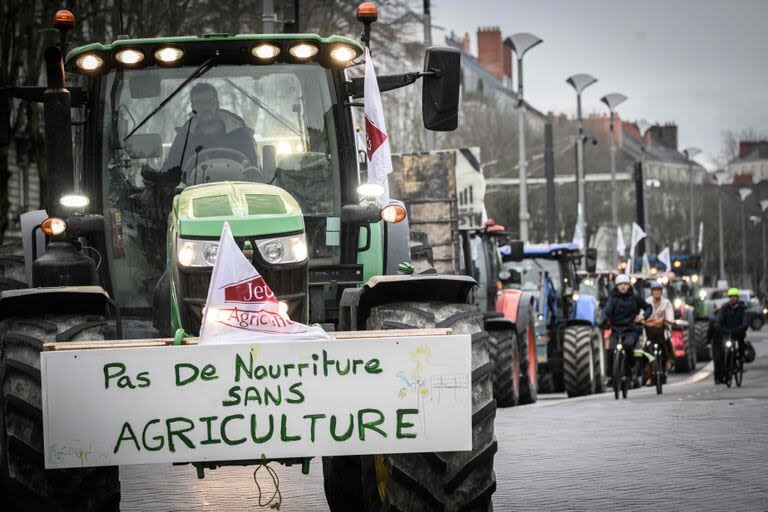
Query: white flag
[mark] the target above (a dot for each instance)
(241, 307)
(377, 141)
(646, 269)
(621, 247)
(578, 230)
(665, 259)
(637, 235)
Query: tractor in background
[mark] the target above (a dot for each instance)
(127, 244)
(569, 346)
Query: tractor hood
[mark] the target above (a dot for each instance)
(252, 209)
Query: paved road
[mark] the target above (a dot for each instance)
(698, 447)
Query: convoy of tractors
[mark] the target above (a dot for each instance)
(127, 243)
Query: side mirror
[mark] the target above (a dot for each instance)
(590, 261)
(516, 251)
(357, 214)
(5, 121)
(440, 90)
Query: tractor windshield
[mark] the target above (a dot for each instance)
(267, 124)
(532, 270)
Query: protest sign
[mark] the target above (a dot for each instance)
(113, 406)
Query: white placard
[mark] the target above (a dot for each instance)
(113, 406)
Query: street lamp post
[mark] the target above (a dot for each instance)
(520, 44)
(690, 154)
(744, 193)
(579, 82)
(643, 126)
(720, 178)
(755, 220)
(612, 101)
(763, 207)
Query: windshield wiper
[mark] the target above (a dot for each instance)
(197, 73)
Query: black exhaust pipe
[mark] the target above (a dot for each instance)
(58, 134)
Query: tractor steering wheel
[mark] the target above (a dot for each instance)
(194, 172)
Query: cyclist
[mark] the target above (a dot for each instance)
(662, 316)
(624, 309)
(731, 318)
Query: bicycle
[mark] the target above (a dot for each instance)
(621, 374)
(657, 370)
(733, 362)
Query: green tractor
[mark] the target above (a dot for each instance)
(172, 137)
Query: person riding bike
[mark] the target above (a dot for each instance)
(730, 319)
(662, 316)
(624, 309)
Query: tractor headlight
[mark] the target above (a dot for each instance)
(678, 302)
(288, 249)
(728, 344)
(702, 294)
(196, 253)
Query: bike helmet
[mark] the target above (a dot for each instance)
(733, 292)
(622, 278)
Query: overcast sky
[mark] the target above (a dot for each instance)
(700, 63)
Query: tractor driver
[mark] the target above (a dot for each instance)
(212, 132)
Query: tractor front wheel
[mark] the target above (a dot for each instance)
(25, 484)
(579, 362)
(700, 331)
(529, 365)
(505, 356)
(446, 480)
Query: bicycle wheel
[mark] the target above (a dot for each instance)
(728, 367)
(626, 376)
(739, 372)
(658, 371)
(618, 372)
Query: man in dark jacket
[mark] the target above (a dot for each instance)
(623, 311)
(731, 318)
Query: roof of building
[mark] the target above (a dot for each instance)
(633, 146)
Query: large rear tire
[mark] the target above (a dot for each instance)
(447, 480)
(700, 330)
(342, 483)
(504, 352)
(579, 361)
(529, 365)
(25, 484)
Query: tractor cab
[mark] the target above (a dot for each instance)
(175, 136)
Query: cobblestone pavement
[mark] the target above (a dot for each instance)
(697, 447)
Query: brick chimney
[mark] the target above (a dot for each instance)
(599, 126)
(465, 43)
(492, 54)
(666, 135)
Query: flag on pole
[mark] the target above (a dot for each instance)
(665, 259)
(646, 269)
(241, 307)
(637, 235)
(628, 268)
(578, 230)
(377, 142)
(621, 247)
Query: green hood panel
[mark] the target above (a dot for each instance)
(252, 209)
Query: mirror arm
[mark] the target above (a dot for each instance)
(35, 93)
(356, 87)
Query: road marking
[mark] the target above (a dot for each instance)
(698, 376)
